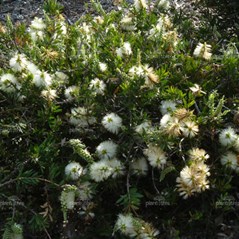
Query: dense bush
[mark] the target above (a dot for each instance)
(121, 125)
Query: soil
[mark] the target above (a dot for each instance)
(26, 10)
(224, 14)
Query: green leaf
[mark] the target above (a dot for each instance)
(165, 172)
(29, 177)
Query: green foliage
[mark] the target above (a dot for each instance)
(131, 200)
(52, 7)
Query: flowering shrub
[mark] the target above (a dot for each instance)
(116, 126)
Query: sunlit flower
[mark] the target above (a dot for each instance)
(42, 79)
(61, 76)
(174, 127)
(101, 170)
(106, 150)
(197, 154)
(193, 179)
(227, 137)
(49, 94)
(197, 90)
(73, 170)
(189, 129)
(167, 106)
(32, 68)
(164, 4)
(103, 66)
(38, 24)
(9, 83)
(71, 92)
(97, 86)
(125, 225)
(183, 114)
(18, 62)
(98, 20)
(140, 4)
(124, 50)
(156, 156)
(36, 35)
(165, 120)
(127, 23)
(136, 71)
(146, 72)
(203, 51)
(112, 122)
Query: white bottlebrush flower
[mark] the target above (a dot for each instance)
(117, 167)
(185, 184)
(81, 117)
(174, 127)
(32, 68)
(86, 29)
(189, 129)
(85, 191)
(125, 224)
(140, 4)
(165, 4)
(17, 231)
(156, 156)
(9, 83)
(165, 120)
(227, 137)
(236, 144)
(125, 50)
(139, 166)
(42, 79)
(36, 35)
(150, 77)
(101, 170)
(68, 197)
(73, 170)
(102, 66)
(203, 51)
(61, 76)
(167, 106)
(112, 122)
(127, 23)
(49, 94)
(106, 150)
(144, 127)
(160, 28)
(61, 28)
(196, 154)
(98, 20)
(230, 160)
(136, 71)
(146, 72)
(97, 86)
(71, 92)
(38, 24)
(197, 90)
(18, 62)
(193, 179)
